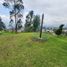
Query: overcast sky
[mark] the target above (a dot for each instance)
(55, 11)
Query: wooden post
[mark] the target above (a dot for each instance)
(41, 25)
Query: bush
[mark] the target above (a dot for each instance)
(59, 30)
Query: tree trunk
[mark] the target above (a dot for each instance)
(15, 17)
(15, 24)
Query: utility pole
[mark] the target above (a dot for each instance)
(41, 25)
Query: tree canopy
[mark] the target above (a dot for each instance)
(16, 7)
(32, 22)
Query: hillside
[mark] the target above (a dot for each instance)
(19, 50)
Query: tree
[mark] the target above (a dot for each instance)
(19, 24)
(31, 13)
(16, 7)
(11, 25)
(2, 25)
(36, 23)
(59, 30)
(29, 21)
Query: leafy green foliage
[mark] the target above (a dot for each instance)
(29, 22)
(32, 22)
(19, 24)
(2, 25)
(36, 23)
(59, 31)
(11, 25)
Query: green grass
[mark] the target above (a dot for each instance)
(18, 50)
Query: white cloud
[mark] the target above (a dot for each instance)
(1, 1)
(55, 10)
(4, 16)
(5, 19)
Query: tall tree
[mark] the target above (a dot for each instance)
(16, 7)
(2, 25)
(36, 23)
(29, 21)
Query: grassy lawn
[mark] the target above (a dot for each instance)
(19, 50)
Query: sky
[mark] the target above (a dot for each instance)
(55, 11)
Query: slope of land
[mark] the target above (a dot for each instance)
(19, 50)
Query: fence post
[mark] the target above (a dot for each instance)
(41, 25)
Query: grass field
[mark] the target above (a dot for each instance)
(19, 50)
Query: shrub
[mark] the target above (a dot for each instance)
(59, 30)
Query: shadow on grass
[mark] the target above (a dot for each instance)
(37, 39)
